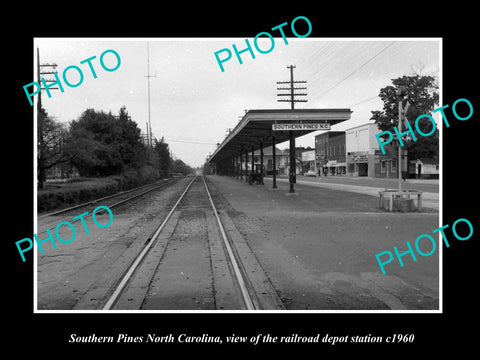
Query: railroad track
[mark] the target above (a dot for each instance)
(110, 201)
(195, 260)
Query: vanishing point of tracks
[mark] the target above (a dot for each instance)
(191, 262)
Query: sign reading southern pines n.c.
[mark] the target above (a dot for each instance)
(290, 127)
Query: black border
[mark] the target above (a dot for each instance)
(433, 332)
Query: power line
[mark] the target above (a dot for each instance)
(364, 101)
(190, 142)
(327, 60)
(314, 57)
(354, 71)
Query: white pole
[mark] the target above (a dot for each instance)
(399, 166)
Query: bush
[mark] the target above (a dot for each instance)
(83, 189)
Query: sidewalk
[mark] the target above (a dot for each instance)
(430, 199)
(427, 185)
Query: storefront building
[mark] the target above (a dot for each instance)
(424, 168)
(364, 157)
(387, 165)
(362, 150)
(308, 162)
(330, 153)
(281, 160)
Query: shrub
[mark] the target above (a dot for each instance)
(86, 189)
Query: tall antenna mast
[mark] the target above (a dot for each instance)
(148, 76)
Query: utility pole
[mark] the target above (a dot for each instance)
(291, 93)
(40, 118)
(148, 76)
(148, 136)
(292, 101)
(40, 71)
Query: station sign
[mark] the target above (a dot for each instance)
(301, 127)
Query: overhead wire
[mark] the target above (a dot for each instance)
(324, 61)
(326, 58)
(190, 142)
(354, 71)
(363, 101)
(318, 58)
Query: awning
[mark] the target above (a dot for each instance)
(334, 163)
(256, 128)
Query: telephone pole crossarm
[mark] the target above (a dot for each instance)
(291, 89)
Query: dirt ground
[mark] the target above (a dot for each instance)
(69, 271)
(318, 247)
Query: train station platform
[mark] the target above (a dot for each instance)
(365, 186)
(318, 244)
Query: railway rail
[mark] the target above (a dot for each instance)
(199, 239)
(111, 201)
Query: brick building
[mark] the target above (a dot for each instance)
(330, 154)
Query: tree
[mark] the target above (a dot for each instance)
(51, 143)
(178, 166)
(422, 95)
(103, 144)
(163, 153)
(128, 142)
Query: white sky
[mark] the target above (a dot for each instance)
(193, 103)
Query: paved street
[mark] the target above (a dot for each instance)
(371, 186)
(427, 185)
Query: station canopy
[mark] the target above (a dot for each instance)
(256, 127)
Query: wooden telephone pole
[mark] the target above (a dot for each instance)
(291, 90)
(40, 115)
(292, 100)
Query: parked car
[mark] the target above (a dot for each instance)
(310, 173)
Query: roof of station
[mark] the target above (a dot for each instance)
(256, 128)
